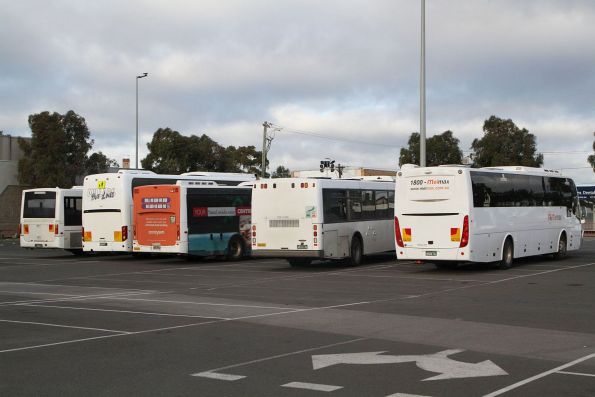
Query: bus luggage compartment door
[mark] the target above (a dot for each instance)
(330, 244)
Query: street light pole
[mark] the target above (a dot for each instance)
(422, 89)
(137, 77)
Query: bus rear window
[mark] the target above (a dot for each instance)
(39, 205)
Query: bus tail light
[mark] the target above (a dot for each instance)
(315, 233)
(121, 235)
(398, 233)
(254, 235)
(51, 228)
(455, 234)
(87, 235)
(26, 229)
(465, 237)
(407, 234)
(177, 233)
(56, 229)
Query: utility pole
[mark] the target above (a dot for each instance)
(266, 125)
(422, 89)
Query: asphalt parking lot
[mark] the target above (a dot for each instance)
(118, 325)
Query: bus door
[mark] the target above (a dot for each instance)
(157, 216)
(39, 224)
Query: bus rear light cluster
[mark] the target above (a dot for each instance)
(178, 233)
(315, 233)
(87, 236)
(465, 237)
(263, 185)
(53, 228)
(254, 235)
(398, 236)
(121, 235)
(25, 229)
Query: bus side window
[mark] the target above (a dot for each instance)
(354, 205)
(381, 204)
(368, 204)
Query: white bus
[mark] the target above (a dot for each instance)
(108, 205)
(196, 218)
(302, 219)
(51, 218)
(451, 214)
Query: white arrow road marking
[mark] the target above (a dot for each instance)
(312, 386)
(219, 376)
(437, 362)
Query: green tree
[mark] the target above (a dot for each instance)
(440, 149)
(45, 163)
(281, 172)
(504, 143)
(591, 158)
(98, 163)
(173, 153)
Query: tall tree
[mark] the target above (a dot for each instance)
(440, 149)
(173, 153)
(281, 172)
(504, 143)
(45, 161)
(591, 158)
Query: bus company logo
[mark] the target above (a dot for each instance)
(437, 182)
(554, 217)
(101, 194)
(243, 211)
(200, 212)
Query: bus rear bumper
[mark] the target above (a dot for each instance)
(259, 253)
(432, 255)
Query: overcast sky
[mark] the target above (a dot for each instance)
(347, 70)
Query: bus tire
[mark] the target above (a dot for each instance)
(507, 255)
(235, 249)
(356, 252)
(562, 248)
(299, 262)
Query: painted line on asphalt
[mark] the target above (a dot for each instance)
(73, 298)
(35, 293)
(575, 373)
(539, 376)
(219, 376)
(127, 311)
(65, 326)
(312, 386)
(203, 303)
(406, 395)
(259, 360)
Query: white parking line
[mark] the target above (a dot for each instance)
(279, 356)
(575, 373)
(539, 376)
(219, 376)
(34, 293)
(202, 303)
(65, 326)
(312, 386)
(127, 311)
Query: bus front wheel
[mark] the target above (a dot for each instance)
(562, 248)
(507, 255)
(356, 252)
(235, 249)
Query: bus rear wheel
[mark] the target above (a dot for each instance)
(356, 253)
(299, 262)
(507, 256)
(562, 248)
(235, 249)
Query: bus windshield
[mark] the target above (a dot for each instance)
(39, 205)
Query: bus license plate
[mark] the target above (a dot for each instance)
(103, 244)
(38, 245)
(431, 253)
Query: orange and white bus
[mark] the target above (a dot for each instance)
(196, 218)
(107, 204)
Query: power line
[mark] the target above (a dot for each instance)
(331, 138)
